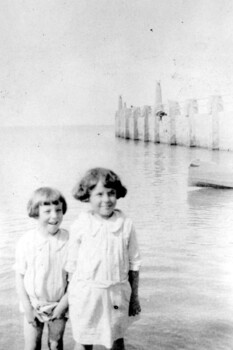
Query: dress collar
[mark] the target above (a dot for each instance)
(113, 224)
(41, 240)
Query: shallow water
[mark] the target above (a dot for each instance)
(185, 234)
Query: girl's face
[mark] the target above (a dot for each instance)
(50, 218)
(103, 200)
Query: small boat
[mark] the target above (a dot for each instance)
(210, 174)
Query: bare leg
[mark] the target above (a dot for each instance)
(118, 344)
(33, 335)
(56, 330)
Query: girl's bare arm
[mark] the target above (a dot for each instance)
(30, 313)
(62, 306)
(134, 305)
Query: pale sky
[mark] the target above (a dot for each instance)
(66, 62)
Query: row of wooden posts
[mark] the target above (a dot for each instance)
(169, 124)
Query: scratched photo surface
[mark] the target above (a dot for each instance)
(64, 65)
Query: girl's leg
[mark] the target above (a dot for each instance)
(118, 344)
(33, 335)
(56, 330)
(82, 347)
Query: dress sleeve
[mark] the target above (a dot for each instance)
(20, 265)
(75, 239)
(134, 254)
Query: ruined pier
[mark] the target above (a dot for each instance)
(206, 123)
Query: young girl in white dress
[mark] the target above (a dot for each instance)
(41, 277)
(104, 261)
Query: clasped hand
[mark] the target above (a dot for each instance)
(33, 316)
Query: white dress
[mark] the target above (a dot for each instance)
(101, 253)
(42, 262)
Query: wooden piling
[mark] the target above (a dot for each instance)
(174, 112)
(192, 110)
(136, 114)
(216, 107)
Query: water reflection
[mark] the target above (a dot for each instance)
(205, 197)
(185, 235)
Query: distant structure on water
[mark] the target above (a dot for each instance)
(206, 122)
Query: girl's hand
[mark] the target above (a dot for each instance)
(58, 312)
(134, 306)
(61, 308)
(32, 316)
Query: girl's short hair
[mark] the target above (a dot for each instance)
(45, 195)
(109, 179)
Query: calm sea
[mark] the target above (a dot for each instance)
(185, 235)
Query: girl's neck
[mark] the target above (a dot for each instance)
(99, 217)
(44, 233)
